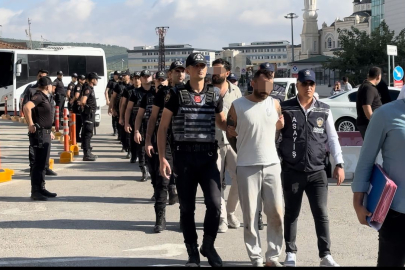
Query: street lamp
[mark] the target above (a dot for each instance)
(292, 16)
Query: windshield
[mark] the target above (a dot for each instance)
(6, 69)
(338, 95)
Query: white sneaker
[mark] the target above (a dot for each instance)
(328, 261)
(233, 221)
(223, 226)
(290, 260)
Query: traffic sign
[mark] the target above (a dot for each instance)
(398, 73)
(243, 70)
(392, 50)
(294, 69)
(398, 84)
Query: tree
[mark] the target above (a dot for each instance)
(360, 51)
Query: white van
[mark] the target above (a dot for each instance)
(284, 88)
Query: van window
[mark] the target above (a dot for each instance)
(292, 91)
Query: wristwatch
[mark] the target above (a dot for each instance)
(340, 165)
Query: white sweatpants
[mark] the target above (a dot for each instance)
(257, 184)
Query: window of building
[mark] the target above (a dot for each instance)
(338, 44)
(334, 44)
(329, 43)
(315, 46)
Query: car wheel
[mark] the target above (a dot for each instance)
(346, 125)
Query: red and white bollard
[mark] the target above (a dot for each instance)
(67, 155)
(57, 118)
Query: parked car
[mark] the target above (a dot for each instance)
(284, 88)
(343, 107)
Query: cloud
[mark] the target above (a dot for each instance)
(7, 14)
(133, 3)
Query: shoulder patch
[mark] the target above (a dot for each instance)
(167, 98)
(78, 88)
(87, 92)
(34, 97)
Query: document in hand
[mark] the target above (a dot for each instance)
(380, 196)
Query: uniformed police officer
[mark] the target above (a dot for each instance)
(233, 79)
(194, 111)
(29, 92)
(108, 94)
(60, 94)
(115, 107)
(142, 118)
(89, 107)
(38, 113)
(308, 129)
(133, 106)
(75, 97)
(70, 88)
(162, 186)
(126, 91)
(130, 117)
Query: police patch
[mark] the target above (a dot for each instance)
(320, 122)
(78, 88)
(167, 98)
(34, 98)
(87, 92)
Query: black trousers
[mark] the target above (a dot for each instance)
(87, 130)
(132, 144)
(79, 125)
(362, 130)
(315, 185)
(41, 158)
(191, 169)
(124, 137)
(31, 156)
(60, 101)
(114, 122)
(162, 184)
(392, 241)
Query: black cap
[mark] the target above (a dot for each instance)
(59, 73)
(145, 73)
(117, 72)
(306, 75)
(126, 73)
(43, 71)
(74, 75)
(232, 76)
(44, 81)
(137, 74)
(267, 66)
(194, 59)
(93, 75)
(161, 75)
(82, 77)
(176, 64)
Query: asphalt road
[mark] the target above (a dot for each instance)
(104, 217)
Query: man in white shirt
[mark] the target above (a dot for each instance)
(346, 86)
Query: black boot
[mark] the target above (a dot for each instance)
(173, 197)
(88, 156)
(160, 225)
(193, 255)
(208, 250)
(260, 222)
(145, 174)
(128, 155)
(49, 172)
(36, 194)
(46, 193)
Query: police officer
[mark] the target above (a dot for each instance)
(108, 94)
(308, 128)
(60, 94)
(114, 107)
(126, 90)
(75, 97)
(29, 92)
(233, 79)
(162, 186)
(89, 107)
(38, 113)
(133, 106)
(70, 88)
(192, 111)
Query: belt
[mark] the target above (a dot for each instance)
(209, 147)
(47, 131)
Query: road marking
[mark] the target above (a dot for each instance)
(167, 250)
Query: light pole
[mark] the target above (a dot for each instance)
(292, 16)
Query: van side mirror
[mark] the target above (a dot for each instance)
(18, 68)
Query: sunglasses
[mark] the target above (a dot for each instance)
(305, 84)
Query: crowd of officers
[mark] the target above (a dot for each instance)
(39, 103)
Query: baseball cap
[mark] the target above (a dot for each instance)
(59, 73)
(137, 74)
(44, 81)
(82, 77)
(194, 59)
(74, 75)
(176, 64)
(126, 73)
(306, 75)
(267, 66)
(43, 71)
(232, 76)
(161, 75)
(117, 72)
(145, 73)
(93, 75)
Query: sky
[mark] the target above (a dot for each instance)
(207, 24)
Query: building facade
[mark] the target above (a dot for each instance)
(147, 57)
(394, 14)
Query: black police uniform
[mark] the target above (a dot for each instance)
(195, 156)
(119, 90)
(88, 118)
(60, 96)
(41, 142)
(136, 98)
(77, 110)
(125, 140)
(132, 144)
(111, 86)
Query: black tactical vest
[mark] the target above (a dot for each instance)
(195, 120)
(304, 138)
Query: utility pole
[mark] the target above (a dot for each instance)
(292, 16)
(161, 32)
(29, 32)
